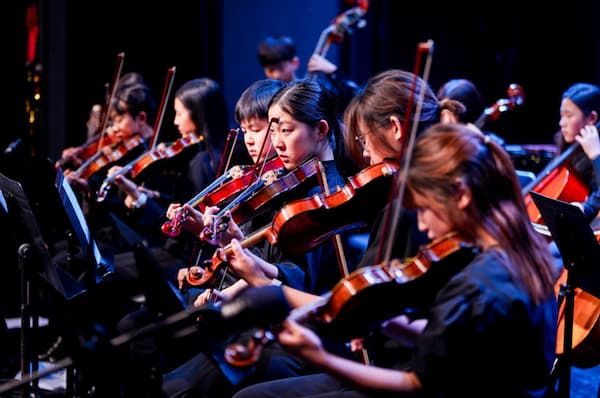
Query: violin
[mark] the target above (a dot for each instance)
(103, 158)
(154, 153)
(230, 189)
(277, 184)
(220, 191)
(142, 162)
(86, 150)
(268, 192)
(303, 224)
(354, 307)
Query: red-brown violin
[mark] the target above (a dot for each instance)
(353, 307)
(220, 191)
(154, 152)
(108, 156)
(142, 162)
(272, 191)
(303, 224)
(86, 150)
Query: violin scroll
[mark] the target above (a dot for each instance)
(242, 355)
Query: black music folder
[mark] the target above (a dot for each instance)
(102, 266)
(575, 239)
(24, 224)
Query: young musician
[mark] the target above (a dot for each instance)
(579, 116)
(491, 328)
(277, 55)
(374, 119)
(201, 120)
(303, 127)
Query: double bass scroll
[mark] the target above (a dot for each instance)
(334, 33)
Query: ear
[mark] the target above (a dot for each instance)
(464, 195)
(142, 116)
(323, 127)
(593, 117)
(296, 62)
(396, 125)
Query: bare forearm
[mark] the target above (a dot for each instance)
(370, 377)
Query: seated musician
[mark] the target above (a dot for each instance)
(73, 157)
(201, 120)
(490, 330)
(251, 114)
(304, 126)
(385, 99)
(579, 116)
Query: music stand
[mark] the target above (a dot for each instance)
(34, 259)
(101, 266)
(580, 252)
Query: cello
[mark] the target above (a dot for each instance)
(586, 325)
(558, 181)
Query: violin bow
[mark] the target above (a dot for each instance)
(339, 247)
(109, 100)
(399, 184)
(262, 149)
(163, 105)
(218, 225)
(337, 241)
(228, 150)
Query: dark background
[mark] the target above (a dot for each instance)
(544, 52)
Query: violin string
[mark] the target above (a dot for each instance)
(213, 297)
